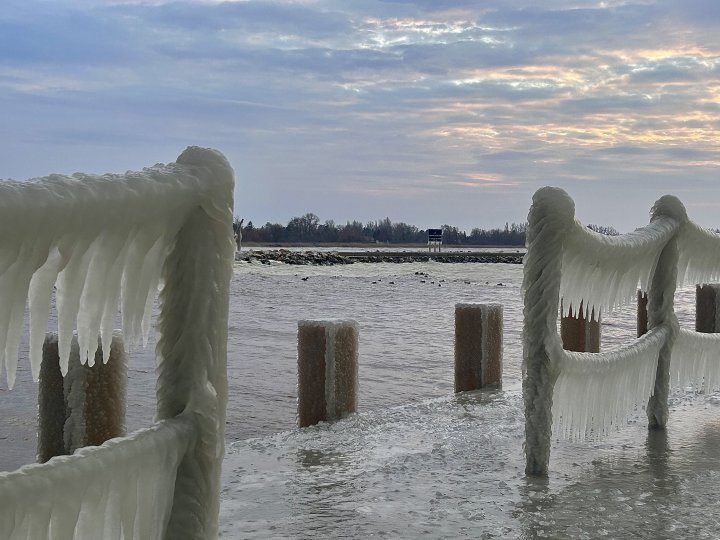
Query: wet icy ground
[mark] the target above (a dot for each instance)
(453, 468)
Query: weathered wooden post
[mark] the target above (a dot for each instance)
(327, 370)
(642, 314)
(51, 403)
(578, 333)
(87, 407)
(707, 302)
(478, 346)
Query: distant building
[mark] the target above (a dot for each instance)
(434, 239)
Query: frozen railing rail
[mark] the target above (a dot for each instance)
(123, 493)
(588, 393)
(595, 391)
(109, 240)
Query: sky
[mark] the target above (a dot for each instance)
(429, 112)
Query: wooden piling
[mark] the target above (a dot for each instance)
(87, 407)
(706, 308)
(51, 403)
(642, 314)
(327, 370)
(577, 332)
(478, 346)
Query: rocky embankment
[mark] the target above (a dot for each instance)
(329, 258)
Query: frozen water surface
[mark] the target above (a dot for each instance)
(419, 462)
(453, 467)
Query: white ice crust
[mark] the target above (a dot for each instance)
(109, 241)
(100, 240)
(699, 255)
(595, 392)
(606, 271)
(696, 360)
(122, 489)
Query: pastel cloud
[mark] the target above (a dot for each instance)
(421, 111)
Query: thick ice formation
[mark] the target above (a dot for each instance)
(585, 393)
(605, 271)
(104, 240)
(696, 360)
(550, 219)
(122, 489)
(595, 392)
(99, 239)
(699, 255)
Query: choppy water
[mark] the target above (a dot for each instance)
(417, 461)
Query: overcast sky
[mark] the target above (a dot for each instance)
(424, 111)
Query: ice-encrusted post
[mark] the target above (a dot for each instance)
(95, 396)
(580, 331)
(478, 346)
(191, 351)
(327, 370)
(551, 216)
(660, 309)
(707, 308)
(88, 406)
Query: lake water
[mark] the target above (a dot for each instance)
(417, 461)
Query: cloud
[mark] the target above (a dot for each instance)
(52, 34)
(393, 102)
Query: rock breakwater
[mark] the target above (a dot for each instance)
(329, 258)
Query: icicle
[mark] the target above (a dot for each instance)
(699, 255)
(122, 489)
(134, 291)
(596, 391)
(40, 297)
(696, 360)
(605, 271)
(107, 249)
(79, 232)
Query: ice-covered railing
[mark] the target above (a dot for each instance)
(696, 360)
(123, 493)
(106, 242)
(581, 394)
(594, 392)
(605, 271)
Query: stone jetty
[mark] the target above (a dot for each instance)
(329, 258)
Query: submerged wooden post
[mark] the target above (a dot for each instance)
(578, 333)
(707, 302)
(478, 346)
(88, 406)
(642, 314)
(327, 370)
(51, 403)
